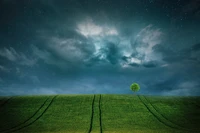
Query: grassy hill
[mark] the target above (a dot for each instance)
(99, 113)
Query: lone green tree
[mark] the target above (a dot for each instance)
(135, 87)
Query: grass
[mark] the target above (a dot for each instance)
(99, 113)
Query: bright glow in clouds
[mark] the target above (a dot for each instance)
(142, 47)
(135, 60)
(142, 51)
(88, 28)
(146, 40)
(98, 36)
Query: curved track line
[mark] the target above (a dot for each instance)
(162, 114)
(160, 120)
(179, 126)
(5, 102)
(26, 119)
(92, 115)
(36, 118)
(100, 120)
(164, 122)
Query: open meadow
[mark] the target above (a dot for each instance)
(99, 113)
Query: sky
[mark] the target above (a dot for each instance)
(99, 46)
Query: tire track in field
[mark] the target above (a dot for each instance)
(29, 124)
(26, 119)
(5, 102)
(100, 120)
(92, 115)
(162, 119)
(157, 117)
(179, 126)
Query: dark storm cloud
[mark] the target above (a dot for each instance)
(166, 85)
(109, 54)
(175, 86)
(112, 53)
(195, 47)
(171, 55)
(134, 64)
(150, 64)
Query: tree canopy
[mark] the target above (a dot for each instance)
(135, 87)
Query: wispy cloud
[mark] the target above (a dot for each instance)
(70, 49)
(144, 42)
(10, 54)
(4, 69)
(142, 53)
(63, 52)
(20, 58)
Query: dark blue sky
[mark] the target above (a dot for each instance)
(99, 46)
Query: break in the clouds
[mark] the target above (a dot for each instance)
(70, 47)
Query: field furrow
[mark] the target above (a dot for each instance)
(67, 114)
(126, 114)
(100, 120)
(181, 111)
(164, 117)
(92, 115)
(4, 101)
(37, 115)
(18, 110)
(96, 124)
(28, 119)
(156, 114)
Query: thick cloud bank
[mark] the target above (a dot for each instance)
(81, 47)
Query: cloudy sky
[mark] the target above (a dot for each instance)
(99, 46)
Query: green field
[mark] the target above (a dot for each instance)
(99, 113)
